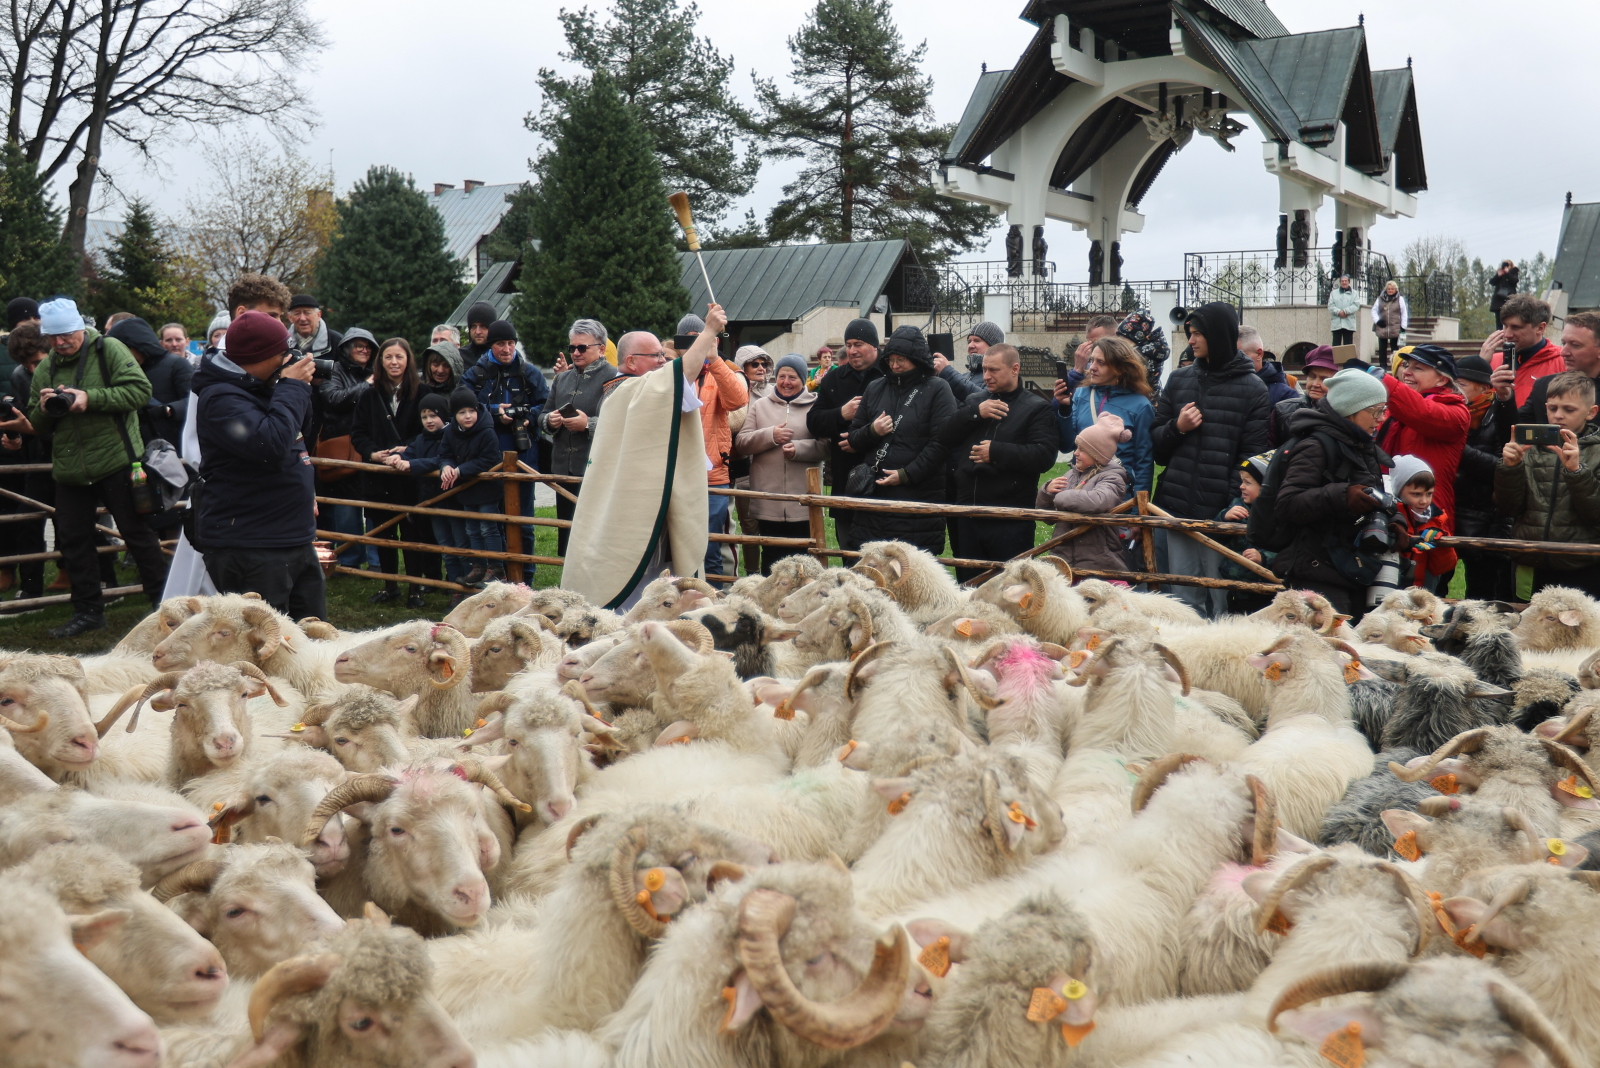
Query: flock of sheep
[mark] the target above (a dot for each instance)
(833, 817)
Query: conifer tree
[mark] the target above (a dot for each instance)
(388, 268)
(33, 260)
(604, 229)
(145, 276)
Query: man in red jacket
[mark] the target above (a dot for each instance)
(1524, 318)
(1428, 418)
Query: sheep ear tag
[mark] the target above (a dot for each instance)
(1045, 1005)
(1458, 937)
(1273, 671)
(1076, 1033)
(1571, 785)
(1445, 784)
(1279, 924)
(1406, 846)
(1025, 600)
(935, 957)
(1343, 1048)
(1352, 672)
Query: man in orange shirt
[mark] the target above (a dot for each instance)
(721, 390)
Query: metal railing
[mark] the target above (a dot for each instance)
(953, 298)
(1257, 278)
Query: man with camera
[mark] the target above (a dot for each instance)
(1518, 351)
(571, 409)
(311, 336)
(514, 391)
(257, 513)
(84, 399)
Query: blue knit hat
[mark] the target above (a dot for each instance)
(795, 362)
(59, 316)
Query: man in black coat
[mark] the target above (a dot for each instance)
(169, 374)
(1003, 438)
(1211, 417)
(838, 395)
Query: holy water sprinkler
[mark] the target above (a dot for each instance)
(680, 205)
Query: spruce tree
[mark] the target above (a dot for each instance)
(862, 124)
(604, 228)
(145, 276)
(33, 260)
(388, 268)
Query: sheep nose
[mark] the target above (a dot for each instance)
(88, 742)
(158, 656)
(211, 972)
(469, 894)
(558, 808)
(137, 1047)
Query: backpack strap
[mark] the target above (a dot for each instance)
(119, 418)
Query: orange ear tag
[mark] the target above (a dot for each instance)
(845, 751)
(1076, 658)
(654, 879)
(1571, 785)
(1445, 784)
(1273, 672)
(785, 709)
(898, 805)
(644, 902)
(731, 996)
(1045, 1005)
(216, 806)
(1279, 924)
(1025, 600)
(1352, 672)
(935, 956)
(1093, 643)
(1015, 814)
(1406, 846)
(1074, 1035)
(1343, 1048)
(481, 723)
(964, 628)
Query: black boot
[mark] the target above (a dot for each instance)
(415, 598)
(390, 592)
(80, 623)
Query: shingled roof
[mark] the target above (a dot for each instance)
(1577, 268)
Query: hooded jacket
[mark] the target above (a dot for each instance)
(1277, 383)
(169, 375)
(770, 470)
(260, 486)
(1089, 493)
(86, 446)
(470, 452)
(518, 383)
(1312, 497)
(452, 358)
(827, 422)
(1551, 503)
(1432, 426)
(583, 388)
(1202, 465)
(337, 395)
(1022, 446)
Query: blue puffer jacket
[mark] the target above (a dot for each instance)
(518, 383)
(1278, 387)
(1136, 454)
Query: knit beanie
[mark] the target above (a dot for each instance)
(462, 398)
(256, 336)
(20, 309)
(481, 313)
(59, 316)
(795, 362)
(862, 330)
(1352, 389)
(1405, 469)
(501, 330)
(436, 403)
(1473, 369)
(747, 353)
(691, 324)
(1257, 466)
(220, 322)
(988, 333)
(1100, 438)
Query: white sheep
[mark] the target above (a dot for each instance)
(232, 627)
(1101, 596)
(802, 602)
(495, 600)
(1559, 619)
(1040, 597)
(429, 660)
(914, 578)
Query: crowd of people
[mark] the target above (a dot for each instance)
(1419, 439)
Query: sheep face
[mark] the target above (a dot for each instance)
(741, 628)
(148, 632)
(47, 694)
(582, 624)
(542, 731)
(407, 659)
(156, 838)
(364, 729)
(1438, 698)
(1460, 835)
(257, 904)
(667, 597)
(155, 958)
(278, 798)
(493, 601)
(808, 598)
(212, 724)
(229, 628)
(508, 646)
(43, 969)
(1305, 609)
(365, 1001)
(838, 629)
(788, 575)
(582, 658)
(621, 677)
(1559, 618)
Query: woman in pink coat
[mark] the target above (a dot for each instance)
(780, 448)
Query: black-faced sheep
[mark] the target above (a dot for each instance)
(1437, 697)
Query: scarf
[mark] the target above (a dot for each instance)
(1479, 407)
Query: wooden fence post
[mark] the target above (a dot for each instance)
(819, 526)
(513, 505)
(1147, 537)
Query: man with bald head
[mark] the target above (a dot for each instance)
(643, 505)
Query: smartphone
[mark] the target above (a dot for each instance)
(1061, 370)
(1536, 434)
(568, 410)
(1508, 354)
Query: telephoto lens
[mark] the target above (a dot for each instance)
(57, 405)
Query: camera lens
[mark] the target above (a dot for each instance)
(57, 405)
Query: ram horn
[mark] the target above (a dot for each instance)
(1332, 623)
(898, 554)
(475, 771)
(814, 675)
(872, 573)
(264, 621)
(692, 633)
(574, 689)
(297, 975)
(1562, 756)
(16, 728)
(350, 792)
(1365, 976)
(1591, 879)
(995, 649)
(1155, 776)
(198, 875)
(1177, 665)
(723, 871)
(994, 817)
(1518, 822)
(853, 1020)
(623, 894)
(139, 695)
(1292, 879)
(1465, 742)
(318, 714)
(868, 655)
(1515, 893)
(499, 701)
(1264, 840)
(984, 701)
(1523, 1015)
(1576, 728)
(581, 828)
(1035, 582)
(1059, 564)
(320, 629)
(1344, 647)
(1101, 652)
(863, 613)
(687, 583)
(455, 643)
(1419, 901)
(245, 667)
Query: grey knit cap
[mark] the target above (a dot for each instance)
(691, 324)
(794, 361)
(988, 333)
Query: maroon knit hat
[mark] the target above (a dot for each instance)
(256, 336)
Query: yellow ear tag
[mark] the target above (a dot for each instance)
(1074, 990)
(1279, 924)
(964, 628)
(1352, 672)
(1274, 671)
(935, 956)
(1343, 1048)
(1557, 847)
(654, 879)
(1445, 784)
(1074, 1035)
(898, 805)
(1045, 1005)
(467, 733)
(1406, 846)
(298, 727)
(1571, 785)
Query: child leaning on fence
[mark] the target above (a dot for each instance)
(1252, 473)
(428, 447)
(466, 448)
(1096, 483)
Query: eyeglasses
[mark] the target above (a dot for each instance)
(1376, 410)
(648, 355)
(579, 350)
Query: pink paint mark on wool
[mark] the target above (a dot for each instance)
(1229, 878)
(1023, 669)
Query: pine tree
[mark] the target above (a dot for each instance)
(862, 124)
(388, 268)
(143, 275)
(33, 260)
(604, 229)
(676, 83)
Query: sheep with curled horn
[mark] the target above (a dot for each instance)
(366, 730)
(1038, 594)
(544, 731)
(787, 575)
(1305, 608)
(1460, 835)
(668, 596)
(428, 660)
(843, 625)
(511, 645)
(913, 578)
(802, 602)
(1559, 619)
(760, 644)
(1101, 596)
(621, 677)
(233, 627)
(493, 601)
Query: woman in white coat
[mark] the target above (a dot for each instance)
(780, 447)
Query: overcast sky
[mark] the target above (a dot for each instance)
(440, 92)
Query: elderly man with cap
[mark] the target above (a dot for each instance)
(1428, 419)
(257, 516)
(85, 397)
(311, 336)
(838, 395)
(513, 389)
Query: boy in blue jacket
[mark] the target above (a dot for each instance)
(429, 446)
(465, 449)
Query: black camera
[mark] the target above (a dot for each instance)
(519, 415)
(57, 405)
(1375, 536)
(8, 408)
(324, 368)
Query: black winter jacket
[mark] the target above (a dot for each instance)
(921, 405)
(1311, 499)
(253, 440)
(337, 395)
(470, 452)
(825, 420)
(372, 428)
(1022, 446)
(1476, 516)
(169, 375)
(1202, 466)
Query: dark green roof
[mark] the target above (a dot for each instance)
(497, 286)
(783, 282)
(1395, 93)
(989, 86)
(1577, 268)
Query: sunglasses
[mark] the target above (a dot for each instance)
(758, 363)
(579, 350)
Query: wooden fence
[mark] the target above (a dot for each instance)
(1138, 514)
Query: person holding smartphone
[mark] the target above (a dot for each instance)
(570, 413)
